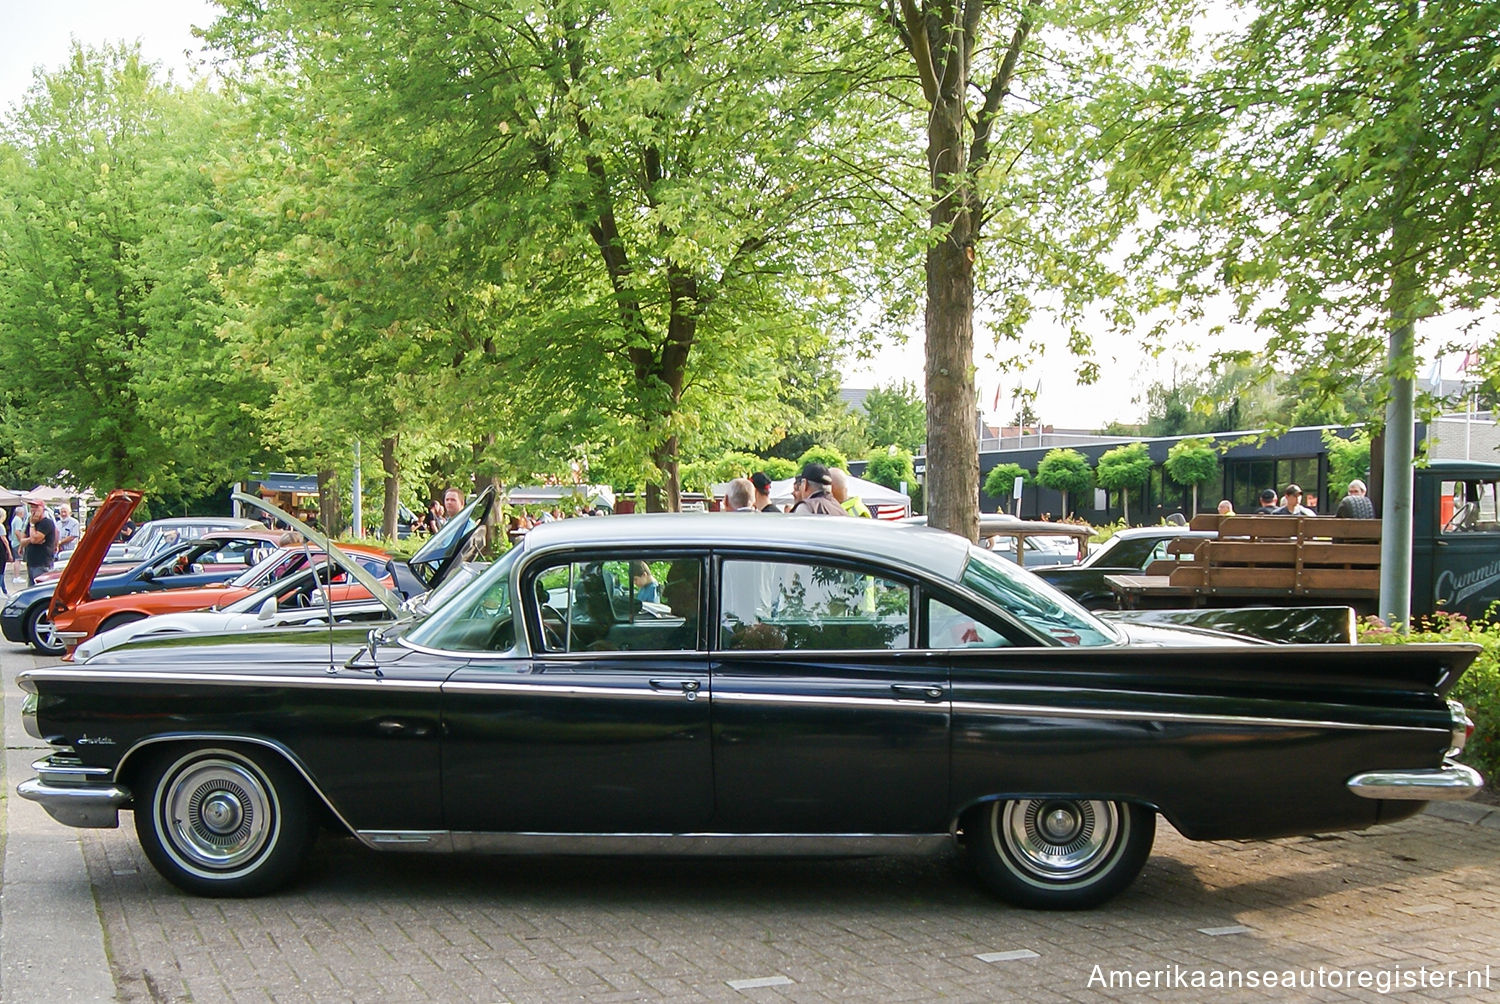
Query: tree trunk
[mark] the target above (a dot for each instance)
(330, 512)
(952, 483)
(392, 485)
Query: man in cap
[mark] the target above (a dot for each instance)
(1292, 503)
(1267, 502)
(811, 492)
(41, 541)
(762, 482)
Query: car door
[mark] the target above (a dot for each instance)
(604, 726)
(826, 718)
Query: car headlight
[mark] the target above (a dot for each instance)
(14, 609)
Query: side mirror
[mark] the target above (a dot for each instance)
(267, 609)
(148, 575)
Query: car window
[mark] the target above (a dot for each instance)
(625, 602)
(949, 627)
(771, 604)
(1470, 506)
(1033, 602)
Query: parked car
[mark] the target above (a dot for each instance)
(1040, 542)
(215, 557)
(1128, 552)
(151, 538)
(800, 686)
(74, 622)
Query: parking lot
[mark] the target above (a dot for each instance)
(1407, 909)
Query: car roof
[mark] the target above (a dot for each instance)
(915, 547)
(219, 521)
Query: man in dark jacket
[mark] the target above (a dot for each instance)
(812, 494)
(41, 541)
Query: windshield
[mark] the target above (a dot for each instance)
(476, 619)
(278, 564)
(1033, 602)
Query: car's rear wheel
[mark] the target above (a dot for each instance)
(41, 633)
(222, 821)
(1060, 853)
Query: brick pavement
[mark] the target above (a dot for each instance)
(369, 927)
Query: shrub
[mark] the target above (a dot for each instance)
(1478, 688)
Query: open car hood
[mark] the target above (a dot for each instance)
(390, 600)
(73, 586)
(446, 547)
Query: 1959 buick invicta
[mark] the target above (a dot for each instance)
(744, 683)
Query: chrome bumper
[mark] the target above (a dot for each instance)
(76, 795)
(1448, 783)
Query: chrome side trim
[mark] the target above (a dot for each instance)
(1448, 783)
(1052, 711)
(168, 676)
(199, 737)
(891, 702)
(62, 773)
(562, 689)
(675, 844)
(94, 808)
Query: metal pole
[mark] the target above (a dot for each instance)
(1400, 448)
(359, 495)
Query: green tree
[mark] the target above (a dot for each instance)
(892, 468)
(1347, 459)
(1065, 471)
(107, 353)
(825, 455)
(651, 203)
(1123, 468)
(1333, 167)
(896, 414)
(1190, 463)
(999, 110)
(1000, 483)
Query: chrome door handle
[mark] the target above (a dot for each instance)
(926, 692)
(689, 688)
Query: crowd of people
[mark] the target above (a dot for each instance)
(36, 537)
(1356, 503)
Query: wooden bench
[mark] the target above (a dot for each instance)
(1260, 557)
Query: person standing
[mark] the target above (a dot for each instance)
(839, 489)
(762, 482)
(1291, 504)
(41, 541)
(453, 502)
(811, 492)
(68, 530)
(740, 496)
(1356, 504)
(1267, 502)
(15, 529)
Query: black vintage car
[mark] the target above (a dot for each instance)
(736, 683)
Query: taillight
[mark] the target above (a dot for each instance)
(1463, 727)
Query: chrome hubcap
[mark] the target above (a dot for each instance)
(217, 814)
(1057, 838)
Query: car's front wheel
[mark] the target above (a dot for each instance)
(41, 633)
(1060, 853)
(222, 821)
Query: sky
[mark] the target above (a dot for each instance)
(39, 34)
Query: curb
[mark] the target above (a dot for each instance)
(1472, 813)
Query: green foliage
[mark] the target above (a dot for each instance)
(1192, 463)
(892, 468)
(1065, 471)
(896, 414)
(1124, 468)
(825, 455)
(1000, 482)
(1478, 689)
(1347, 459)
(778, 468)
(1306, 167)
